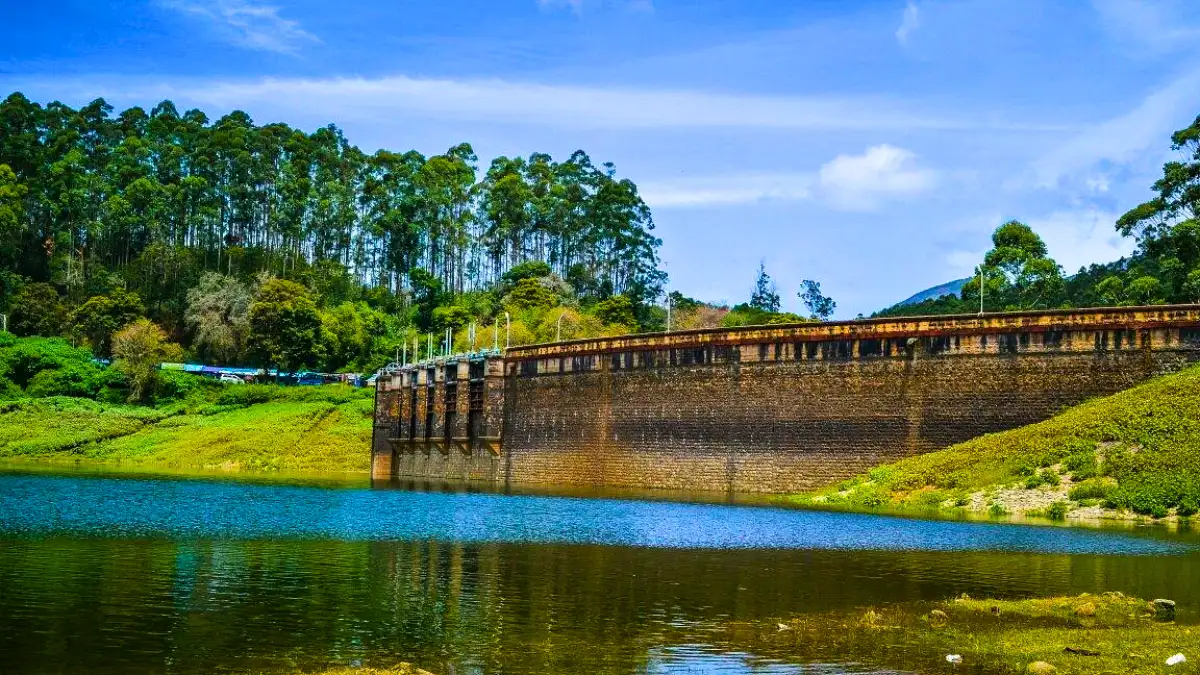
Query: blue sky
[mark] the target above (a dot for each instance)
(871, 145)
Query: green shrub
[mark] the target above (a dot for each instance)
(1094, 488)
(881, 474)
(874, 499)
(22, 360)
(997, 510)
(1082, 465)
(1057, 510)
(1049, 477)
(954, 479)
(175, 386)
(79, 380)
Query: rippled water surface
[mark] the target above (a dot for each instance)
(112, 575)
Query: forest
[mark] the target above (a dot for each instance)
(174, 236)
(266, 245)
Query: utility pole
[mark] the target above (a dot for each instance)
(668, 311)
(558, 335)
(507, 330)
(495, 336)
(981, 290)
(405, 361)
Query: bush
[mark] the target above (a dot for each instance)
(79, 380)
(176, 386)
(1057, 510)
(1082, 465)
(24, 359)
(1092, 489)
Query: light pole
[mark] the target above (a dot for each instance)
(558, 334)
(507, 330)
(668, 311)
(981, 290)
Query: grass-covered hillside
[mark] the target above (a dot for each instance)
(1134, 452)
(58, 404)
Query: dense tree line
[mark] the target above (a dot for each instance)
(106, 217)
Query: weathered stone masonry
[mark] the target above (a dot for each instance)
(762, 409)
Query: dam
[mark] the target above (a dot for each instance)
(764, 408)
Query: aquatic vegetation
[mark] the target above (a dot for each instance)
(1108, 633)
(1137, 451)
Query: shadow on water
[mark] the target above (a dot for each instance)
(103, 585)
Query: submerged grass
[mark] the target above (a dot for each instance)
(260, 428)
(1108, 633)
(1137, 451)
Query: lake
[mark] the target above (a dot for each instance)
(102, 574)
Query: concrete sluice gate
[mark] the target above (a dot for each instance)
(760, 409)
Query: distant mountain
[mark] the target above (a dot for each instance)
(948, 288)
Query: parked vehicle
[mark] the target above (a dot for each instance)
(230, 379)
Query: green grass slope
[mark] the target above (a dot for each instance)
(258, 428)
(1134, 452)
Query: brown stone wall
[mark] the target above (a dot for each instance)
(414, 422)
(776, 408)
(778, 416)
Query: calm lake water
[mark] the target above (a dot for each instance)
(120, 575)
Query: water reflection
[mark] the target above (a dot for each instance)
(192, 600)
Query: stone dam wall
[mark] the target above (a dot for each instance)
(766, 409)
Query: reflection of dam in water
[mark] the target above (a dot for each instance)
(492, 608)
(760, 409)
(127, 596)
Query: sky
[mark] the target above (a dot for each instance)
(872, 145)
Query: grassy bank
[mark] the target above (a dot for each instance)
(1130, 454)
(58, 404)
(259, 428)
(1107, 633)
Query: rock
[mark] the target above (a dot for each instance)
(1164, 610)
(783, 626)
(1176, 660)
(1080, 651)
(938, 615)
(995, 610)
(1086, 609)
(1040, 668)
(953, 658)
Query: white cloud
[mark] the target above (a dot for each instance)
(1074, 238)
(574, 5)
(251, 25)
(1149, 27)
(577, 6)
(495, 100)
(1123, 139)
(910, 21)
(726, 190)
(1082, 237)
(861, 182)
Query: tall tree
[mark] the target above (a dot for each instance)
(765, 296)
